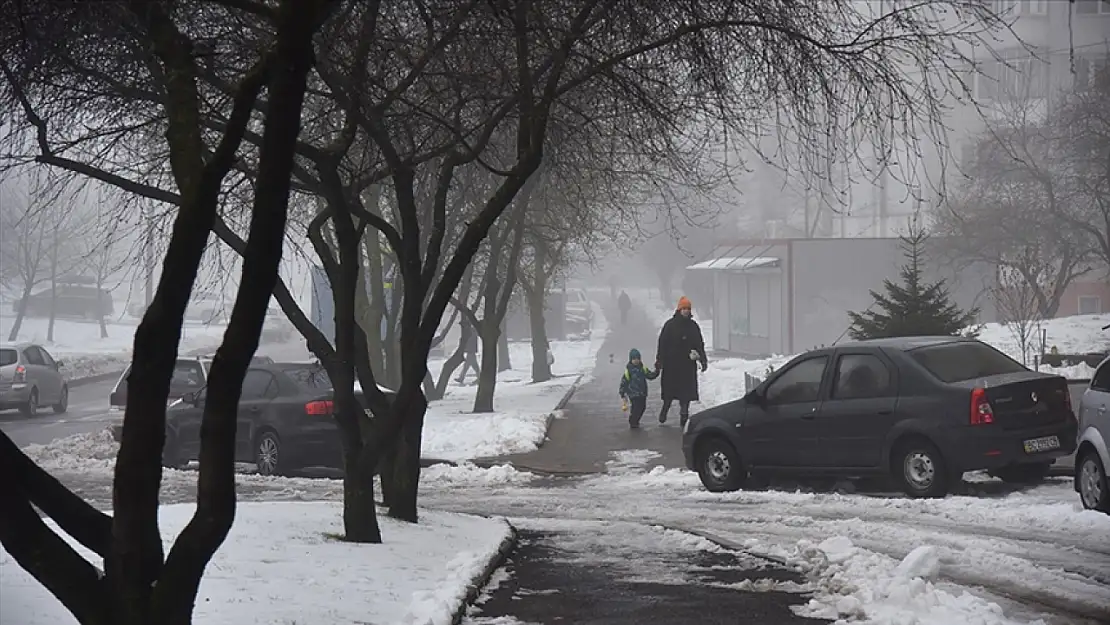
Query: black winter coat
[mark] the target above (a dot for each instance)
(678, 337)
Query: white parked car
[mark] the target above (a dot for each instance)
(1093, 456)
(30, 378)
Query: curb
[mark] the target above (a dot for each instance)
(482, 579)
(93, 379)
(566, 397)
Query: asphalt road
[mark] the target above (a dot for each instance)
(88, 412)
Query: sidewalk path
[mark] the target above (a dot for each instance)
(593, 435)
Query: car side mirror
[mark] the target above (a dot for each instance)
(189, 398)
(58, 364)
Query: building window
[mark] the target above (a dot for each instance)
(1013, 8)
(1015, 76)
(1087, 68)
(1090, 305)
(1092, 7)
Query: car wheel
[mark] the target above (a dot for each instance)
(1093, 487)
(719, 466)
(32, 406)
(920, 469)
(267, 454)
(63, 402)
(1023, 473)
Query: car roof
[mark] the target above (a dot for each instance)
(907, 343)
(16, 345)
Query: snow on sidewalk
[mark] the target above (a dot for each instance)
(282, 564)
(522, 410)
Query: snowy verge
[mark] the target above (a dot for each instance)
(282, 564)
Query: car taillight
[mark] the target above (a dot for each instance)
(322, 407)
(981, 411)
(20, 374)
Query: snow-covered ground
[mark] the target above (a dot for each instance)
(521, 409)
(281, 563)
(85, 354)
(868, 559)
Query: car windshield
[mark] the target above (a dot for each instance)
(958, 362)
(311, 377)
(8, 357)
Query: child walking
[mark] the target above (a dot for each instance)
(634, 387)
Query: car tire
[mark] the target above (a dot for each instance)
(1092, 483)
(1023, 473)
(31, 407)
(267, 454)
(919, 469)
(171, 452)
(719, 466)
(63, 402)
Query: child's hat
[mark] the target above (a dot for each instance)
(633, 354)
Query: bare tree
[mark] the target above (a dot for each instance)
(139, 584)
(25, 246)
(1016, 301)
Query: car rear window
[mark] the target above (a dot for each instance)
(8, 357)
(958, 362)
(309, 377)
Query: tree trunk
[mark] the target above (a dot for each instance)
(541, 369)
(504, 359)
(487, 373)
(21, 311)
(100, 308)
(405, 478)
(53, 288)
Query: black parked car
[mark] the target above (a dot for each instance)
(922, 410)
(285, 421)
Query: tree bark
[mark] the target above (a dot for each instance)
(100, 306)
(21, 311)
(405, 478)
(53, 287)
(535, 296)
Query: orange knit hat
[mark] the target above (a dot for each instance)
(684, 302)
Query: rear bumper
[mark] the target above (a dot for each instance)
(979, 448)
(14, 395)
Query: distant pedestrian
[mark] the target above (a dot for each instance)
(624, 304)
(634, 386)
(681, 349)
(470, 352)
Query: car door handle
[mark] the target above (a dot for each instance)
(254, 408)
(809, 416)
(886, 412)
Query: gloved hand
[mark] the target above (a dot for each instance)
(704, 365)
(694, 355)
(624, 405)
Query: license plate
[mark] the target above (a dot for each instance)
(1044, 443)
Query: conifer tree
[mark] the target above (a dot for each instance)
(914, 307)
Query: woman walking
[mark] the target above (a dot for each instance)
(681, 349)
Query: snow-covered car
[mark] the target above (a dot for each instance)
(1093, 456)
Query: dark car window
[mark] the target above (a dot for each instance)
(1101, 379)
(312, 377)
(8, 357)
(32, 356)
(256, 385)
(800, 383)
(187, 373)
(957, 362)
(859, 376)
(47, 359)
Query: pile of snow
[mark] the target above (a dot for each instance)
(280, 565)
(850, 584)
(95, 451)
(468, 474)
(85, 354)
(1079, 334)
